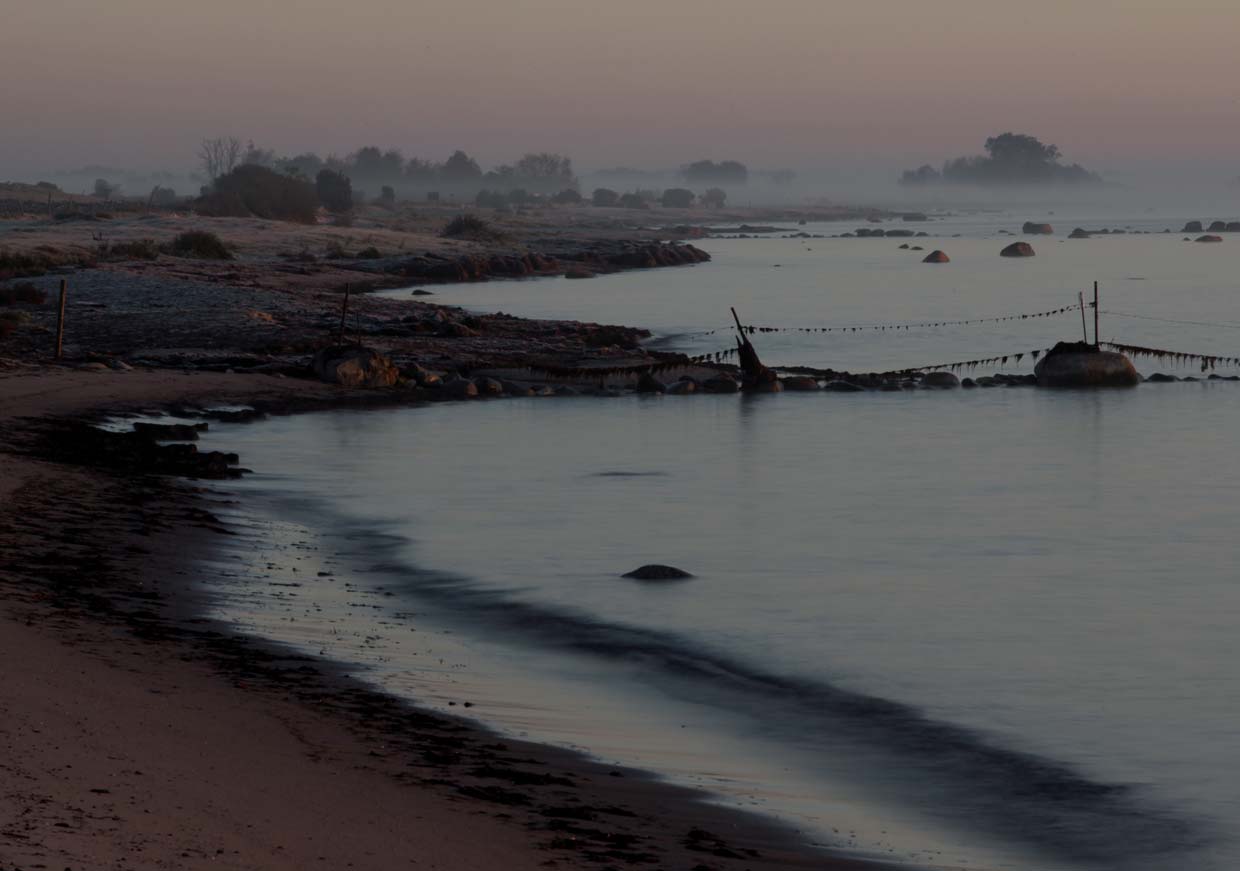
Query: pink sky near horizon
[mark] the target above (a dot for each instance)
(137, 83)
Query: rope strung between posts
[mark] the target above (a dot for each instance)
(1207, 361)
(751, 328)
(1224, 324)
(1001, 359)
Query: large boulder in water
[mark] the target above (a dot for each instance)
(1079, 364)
(1192, 227)
(656, 572)
(1218, 227)
(1208, 238)
(936, 257)
(1032, 229)
(354, 366)
(1017, 249)
(1080, 233)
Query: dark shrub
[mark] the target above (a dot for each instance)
(633, 201)
(138, 249)
(47, 186)
(257, 191)
(371, 253)
(490, 199)
(200, 244)
(520, 197)
(334, 190)
(468, 227)
(604, 197)
(386, 198)
(105, 190)
(714, 198)
(25, 292)
(677, 198)
(164, 197)
(567, 197)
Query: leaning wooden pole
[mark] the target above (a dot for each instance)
(1096, 315)
(1084, 331)
(60, 320)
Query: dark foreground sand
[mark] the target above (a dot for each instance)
(138, 735)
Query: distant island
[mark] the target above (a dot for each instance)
(1010, 159)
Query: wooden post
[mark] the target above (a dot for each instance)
(60, 321)
(1096, 345)
(344, 313)
(737, 318)
(1084, 332)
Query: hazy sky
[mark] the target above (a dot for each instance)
(137, 83)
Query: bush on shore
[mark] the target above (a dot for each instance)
(468, 227)
(260, 192)
(138, 249)
(335, 191)
(25, 292)
(201, 244)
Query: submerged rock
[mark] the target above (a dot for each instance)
(1208, 238)
(940, 380)
(1079, 233)
(842, 387)
(647, 383)
(1032, 229)
(656, 572)
(1078, 364)
(721, 383)
(1017, 249)
(683, 387)
(936, 257)
(1161, 378)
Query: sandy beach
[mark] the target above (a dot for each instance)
(139, 735)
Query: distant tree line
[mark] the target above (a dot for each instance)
(244, 178)
(1010, 159)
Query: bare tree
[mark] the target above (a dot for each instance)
(219, 156)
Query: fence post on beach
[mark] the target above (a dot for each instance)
(344, 313)
(1080, 295)
(1096, 314)
(60, 320)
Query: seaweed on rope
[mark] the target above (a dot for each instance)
(1177, 358)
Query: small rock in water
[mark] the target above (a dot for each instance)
(1017, 249)
(656, 572)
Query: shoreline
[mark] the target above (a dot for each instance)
(535, 811)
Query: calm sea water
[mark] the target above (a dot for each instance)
(989, 628)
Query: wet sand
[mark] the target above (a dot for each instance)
(140, 735)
